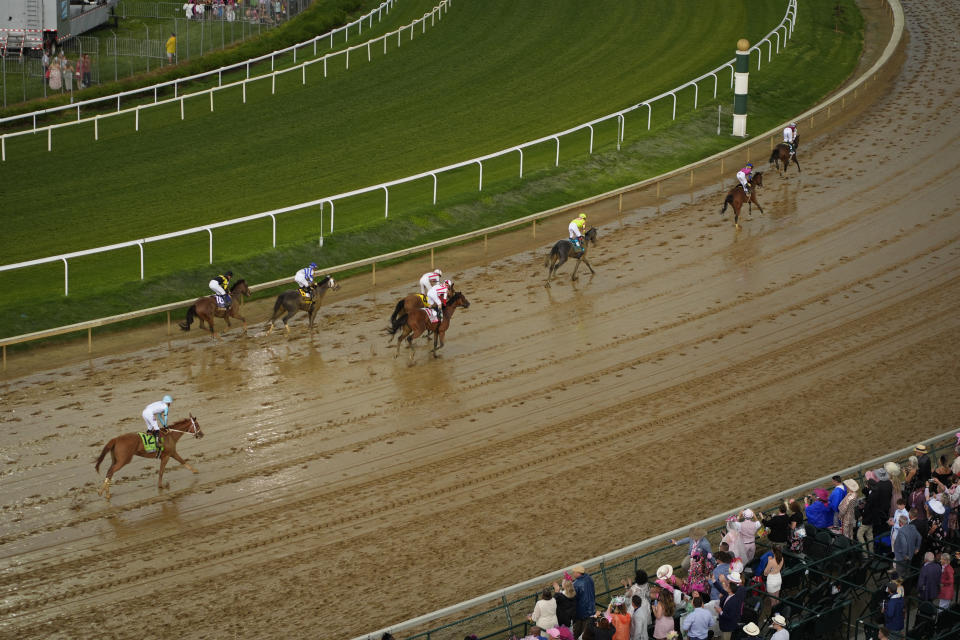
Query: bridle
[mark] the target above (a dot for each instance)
(194, 428)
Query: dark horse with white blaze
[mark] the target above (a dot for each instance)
(736, 198)
(565, 249)
(123, 448)
(418, 321)
(206, 309)
(780, 156)
(290, 302)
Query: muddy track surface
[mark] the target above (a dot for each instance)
(342, 489)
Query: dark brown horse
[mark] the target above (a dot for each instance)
(565, 249)
(206, 309)
(780, 157)
(123, 448)
(418, 321)
(737, 197)
(408, 304)
(290, 302)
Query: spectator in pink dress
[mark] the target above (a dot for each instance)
(747, 526)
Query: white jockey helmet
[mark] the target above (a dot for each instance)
(438, 272)
(793, 124)
(448, 283)
(167, 399)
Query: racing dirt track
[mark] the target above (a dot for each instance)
(341, 490)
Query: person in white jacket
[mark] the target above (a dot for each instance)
(545, 611)
(429, 280)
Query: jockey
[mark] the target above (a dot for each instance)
(439, 295)
(575, 228)
(219, 287)
(790, 135)
(304, 278)
(744, 177)
(428, 280)
(156, 415)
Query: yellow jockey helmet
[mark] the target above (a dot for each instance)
(582, 216)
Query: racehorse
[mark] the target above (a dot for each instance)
(123, 448)
(737, 197)
(417, 321)
(780, 157)
(206, 309)
(291, 302)
(565, 249)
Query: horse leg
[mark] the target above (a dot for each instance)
(310, 314)
(163, 463)
(586, 262)
(243, 332)
(573, 276)
(754, 199)
(796, 163)
(736, 216)
(176, 456)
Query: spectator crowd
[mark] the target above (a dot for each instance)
(905, 515)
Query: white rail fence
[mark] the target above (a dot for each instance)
(786, 25)
(154, 91)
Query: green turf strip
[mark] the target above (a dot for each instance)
(493, 74)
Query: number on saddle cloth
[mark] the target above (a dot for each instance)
(221, 301)
(150, 442)
(424, 301)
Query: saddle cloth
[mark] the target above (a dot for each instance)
(149, 441)
(221, 301)
(304, 295)
(431, 315)
(423, 300)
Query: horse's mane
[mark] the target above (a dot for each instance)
(182, 421)
(237, 284)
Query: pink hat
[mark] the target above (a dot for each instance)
(565, 633)
(822, 494)
(554, 632)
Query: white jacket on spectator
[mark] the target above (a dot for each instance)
(545, 614)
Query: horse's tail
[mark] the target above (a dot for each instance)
(396, 312)
(397, 323)
(729, 201)
(103, 454)
(553, 252)
(278, 304)
(774, 154)
(191, 314)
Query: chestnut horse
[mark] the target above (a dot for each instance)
(291, 302)
(565, 249)
(206, 309)
(737, 197)
(123, 448)
(418, 321)
(780, 157)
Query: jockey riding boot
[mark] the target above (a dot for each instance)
(226, 301)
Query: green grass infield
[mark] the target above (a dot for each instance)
(493, 74)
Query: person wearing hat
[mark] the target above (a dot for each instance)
(697, 539)
(924, 470)
(818, 511)
(779, 624)
(847, 507)
(157, 415)
(586, 598)
(219, 287)
(751, 629)
(304, 279)
(731, 604)
(892, 608)
(575, 229)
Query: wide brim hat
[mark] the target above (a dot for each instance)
(747, 513)
(851, 485)
(578, 569)
(936, 506)
(665, 571)
(554, 632)
(751, 629)
(734, 576)
(922, 448)
(881, 474)
(892, 468)
(821, 494)
(779, 619)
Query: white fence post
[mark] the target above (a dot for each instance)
(556, 160)
(480, 186)
(210, 232)
(386, 202)
(66, 278)
(591, 137)
(273, 219)
(434, 188)
(521, 162)
(331, 216)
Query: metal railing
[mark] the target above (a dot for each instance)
(786, 24)
(810, 119)
(611, 567)
(153, 91)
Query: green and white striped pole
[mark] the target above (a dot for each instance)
(740, 78)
